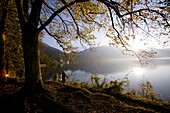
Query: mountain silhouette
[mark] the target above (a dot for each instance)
(55, 53)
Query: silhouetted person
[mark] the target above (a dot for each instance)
(63, 76)
(60, 77)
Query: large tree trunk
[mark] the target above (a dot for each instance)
(2, 55)
(29, 23)
(33, 78)
(3, 16)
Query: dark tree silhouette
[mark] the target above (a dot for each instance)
(3, 16)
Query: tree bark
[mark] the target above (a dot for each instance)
(33, 78)
(3, 16)
(2, 55)
(29, 24)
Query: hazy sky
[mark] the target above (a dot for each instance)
(102, 40)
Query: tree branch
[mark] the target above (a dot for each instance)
(64, 23)
(77, 27)
(35, 12)
(147, 9)
(57, 12)
(129, 13)
(58, 41)
(112, 5)
(48, 6)
(20, 13)
(92, 20)
(120, 38)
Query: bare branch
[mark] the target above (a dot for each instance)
(150, 10)
(78, 31)
(146, 2)
(131, 15)
(64, 24)
(48, 6)
(20, 13)
(146, 31)
(119, 36)
(77, 26)
(57, 12)
(136, 11)
(91, 19)
(57, 39)
(113, 5)
(114, 27)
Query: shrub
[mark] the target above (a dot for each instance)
(146, 90)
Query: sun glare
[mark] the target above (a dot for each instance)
(138, 71)
(138, 46)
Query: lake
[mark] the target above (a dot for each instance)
(157, 71)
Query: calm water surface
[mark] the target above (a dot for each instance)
(157, 71)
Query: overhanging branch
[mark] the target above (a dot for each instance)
(57, 12)
(120, 36)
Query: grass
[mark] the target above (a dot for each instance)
(115, 88)
(128, 100)
(80, 98)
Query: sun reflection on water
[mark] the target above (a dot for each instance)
(139, 71)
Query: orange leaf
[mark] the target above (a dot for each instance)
(156, 17)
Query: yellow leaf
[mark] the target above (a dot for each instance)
(152, 18)
(59, 25)
(167, 9)
(126, 38)
(133, 16)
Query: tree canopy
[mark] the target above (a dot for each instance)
(122, 21)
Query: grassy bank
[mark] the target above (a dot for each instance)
(77, 99)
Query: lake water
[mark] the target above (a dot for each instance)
(157, 71)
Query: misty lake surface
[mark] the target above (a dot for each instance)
(156, 71)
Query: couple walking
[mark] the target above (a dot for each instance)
(62, 76)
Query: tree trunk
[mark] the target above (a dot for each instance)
(3, 16)
(33, 78)
(2, 55)
(29, 19)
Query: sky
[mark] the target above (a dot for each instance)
(102, 40)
